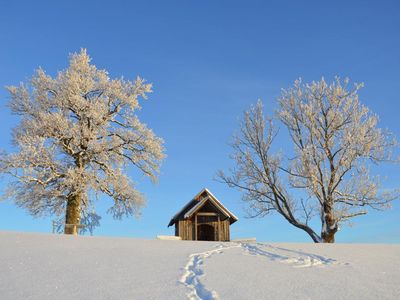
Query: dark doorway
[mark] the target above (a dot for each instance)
(205, 232)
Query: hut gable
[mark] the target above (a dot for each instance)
(203, 218)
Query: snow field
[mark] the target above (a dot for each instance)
(44, 266)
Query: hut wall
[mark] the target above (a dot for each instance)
(186, 230)
(224, 231)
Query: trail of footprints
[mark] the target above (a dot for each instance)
(296, 258)
(194, 272)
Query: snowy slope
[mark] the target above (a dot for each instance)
(40, 266)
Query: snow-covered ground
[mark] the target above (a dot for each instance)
(44, 266)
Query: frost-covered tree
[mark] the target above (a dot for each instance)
(78, 133)
(335, 139)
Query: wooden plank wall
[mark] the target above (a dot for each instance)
(225, 231)
(186, 230)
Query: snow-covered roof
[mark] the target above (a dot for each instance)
(200, 204)
(196, 203)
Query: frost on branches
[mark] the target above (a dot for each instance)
(78, 133)
(335, 140)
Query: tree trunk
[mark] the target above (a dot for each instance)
(73, 214)
(328, 237)
(331, 227)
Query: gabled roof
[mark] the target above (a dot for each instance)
(200, 204)
(196, 204)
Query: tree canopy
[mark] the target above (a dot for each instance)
(77, 135)
(335, 140)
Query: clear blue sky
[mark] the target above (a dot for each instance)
(208, 61)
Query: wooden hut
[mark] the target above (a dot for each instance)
(204, 218)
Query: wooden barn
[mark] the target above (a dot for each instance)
(204, 218)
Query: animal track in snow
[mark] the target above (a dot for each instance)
(194, 271)
(298, 259)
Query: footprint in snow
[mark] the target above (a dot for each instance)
(298, 259)
(193, 272)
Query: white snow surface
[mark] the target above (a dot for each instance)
(46, 266)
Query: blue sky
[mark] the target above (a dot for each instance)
(208, 61)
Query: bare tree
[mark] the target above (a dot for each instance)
(335, 139)
(77, 134)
